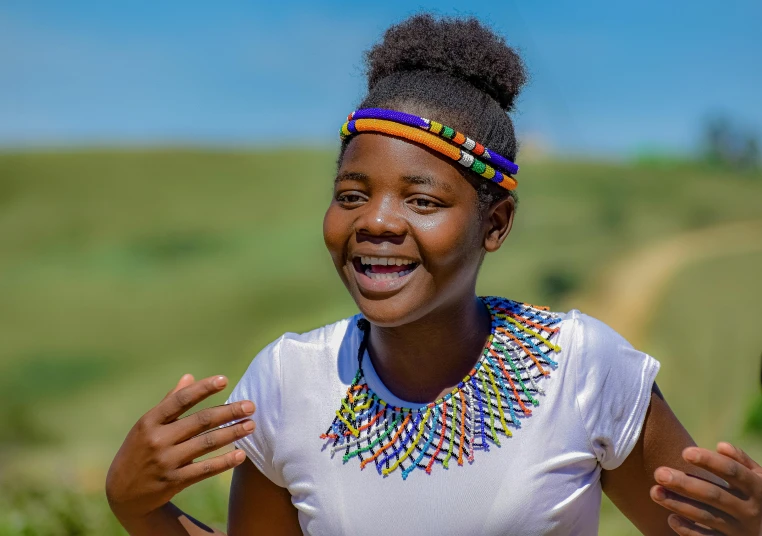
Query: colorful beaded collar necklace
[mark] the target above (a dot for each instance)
(436, 137)
(484, 405)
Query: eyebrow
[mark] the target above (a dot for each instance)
(425, 180)
(351, 176)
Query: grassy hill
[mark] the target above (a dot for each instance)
(122, 270)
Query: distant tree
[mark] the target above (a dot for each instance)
(727, 144)
(750, 155)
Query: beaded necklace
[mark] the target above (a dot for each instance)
(502, 385)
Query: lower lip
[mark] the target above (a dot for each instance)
(381, 285)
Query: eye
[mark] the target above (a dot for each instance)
(424, 204)
(350, 199)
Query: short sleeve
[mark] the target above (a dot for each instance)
(261, 383)
(613, 388)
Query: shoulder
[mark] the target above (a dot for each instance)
(585, 343)
(292, 350)
(582, 332)
(319, 338)
(592, 343)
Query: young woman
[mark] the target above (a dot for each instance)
(434, 411)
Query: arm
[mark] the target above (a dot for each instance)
(258, 506)
(168, 520)
(721, 490)
(661, 442)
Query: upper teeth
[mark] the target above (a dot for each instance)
(385, 261)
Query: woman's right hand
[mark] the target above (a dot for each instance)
(155, 462)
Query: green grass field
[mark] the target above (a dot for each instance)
(122, 270)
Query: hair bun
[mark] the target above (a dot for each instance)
(462, 48)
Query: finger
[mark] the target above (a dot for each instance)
(185, 381)
(195, 472)
(211, 441)
(738, 455)
(683, 527)
(209, 418)
(700, 490)
(181, 401)
(738, 476)
(692, 510)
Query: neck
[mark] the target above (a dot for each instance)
(425, 359)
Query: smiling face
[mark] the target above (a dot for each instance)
(403, 229)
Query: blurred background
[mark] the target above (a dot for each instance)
(164, 168)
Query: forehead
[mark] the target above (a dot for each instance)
(380, 156)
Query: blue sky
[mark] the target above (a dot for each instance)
(608, 78)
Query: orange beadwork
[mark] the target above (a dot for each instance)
(433, 142)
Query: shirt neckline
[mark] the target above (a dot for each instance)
(379, 389)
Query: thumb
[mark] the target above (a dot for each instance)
(185, 381)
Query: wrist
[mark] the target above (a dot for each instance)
(159, 522)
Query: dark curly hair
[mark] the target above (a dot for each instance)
(455, 71)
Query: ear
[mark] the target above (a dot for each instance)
(499, 222)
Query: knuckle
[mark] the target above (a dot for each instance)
(207, 467)
(705, 517)
(182, 397)
(153, 441)
(165, 413)
(142, 425)
(234, 411)
(732, 470)
(204, 418)
(712, 493)
(209, 441)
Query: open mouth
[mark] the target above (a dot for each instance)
(382, 268)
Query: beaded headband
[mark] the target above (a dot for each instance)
(431, 134)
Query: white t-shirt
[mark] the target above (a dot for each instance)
(543, 480)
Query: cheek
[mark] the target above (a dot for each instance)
(452, 241)
(335, 233)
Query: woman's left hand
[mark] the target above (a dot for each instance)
(735, 510)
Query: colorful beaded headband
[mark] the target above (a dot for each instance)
(426, 132)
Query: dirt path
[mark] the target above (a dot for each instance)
(629, 291)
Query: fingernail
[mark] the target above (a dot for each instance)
(691, 455)
(659, 493)
(240, 456)
(248, 426)
(674, 521)
(247, 407)
(664, 476)
(220, 382)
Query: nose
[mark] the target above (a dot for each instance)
(381, 219)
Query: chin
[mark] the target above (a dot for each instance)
(388, 312)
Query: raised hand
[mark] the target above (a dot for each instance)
(155, 461)
(735, 510)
